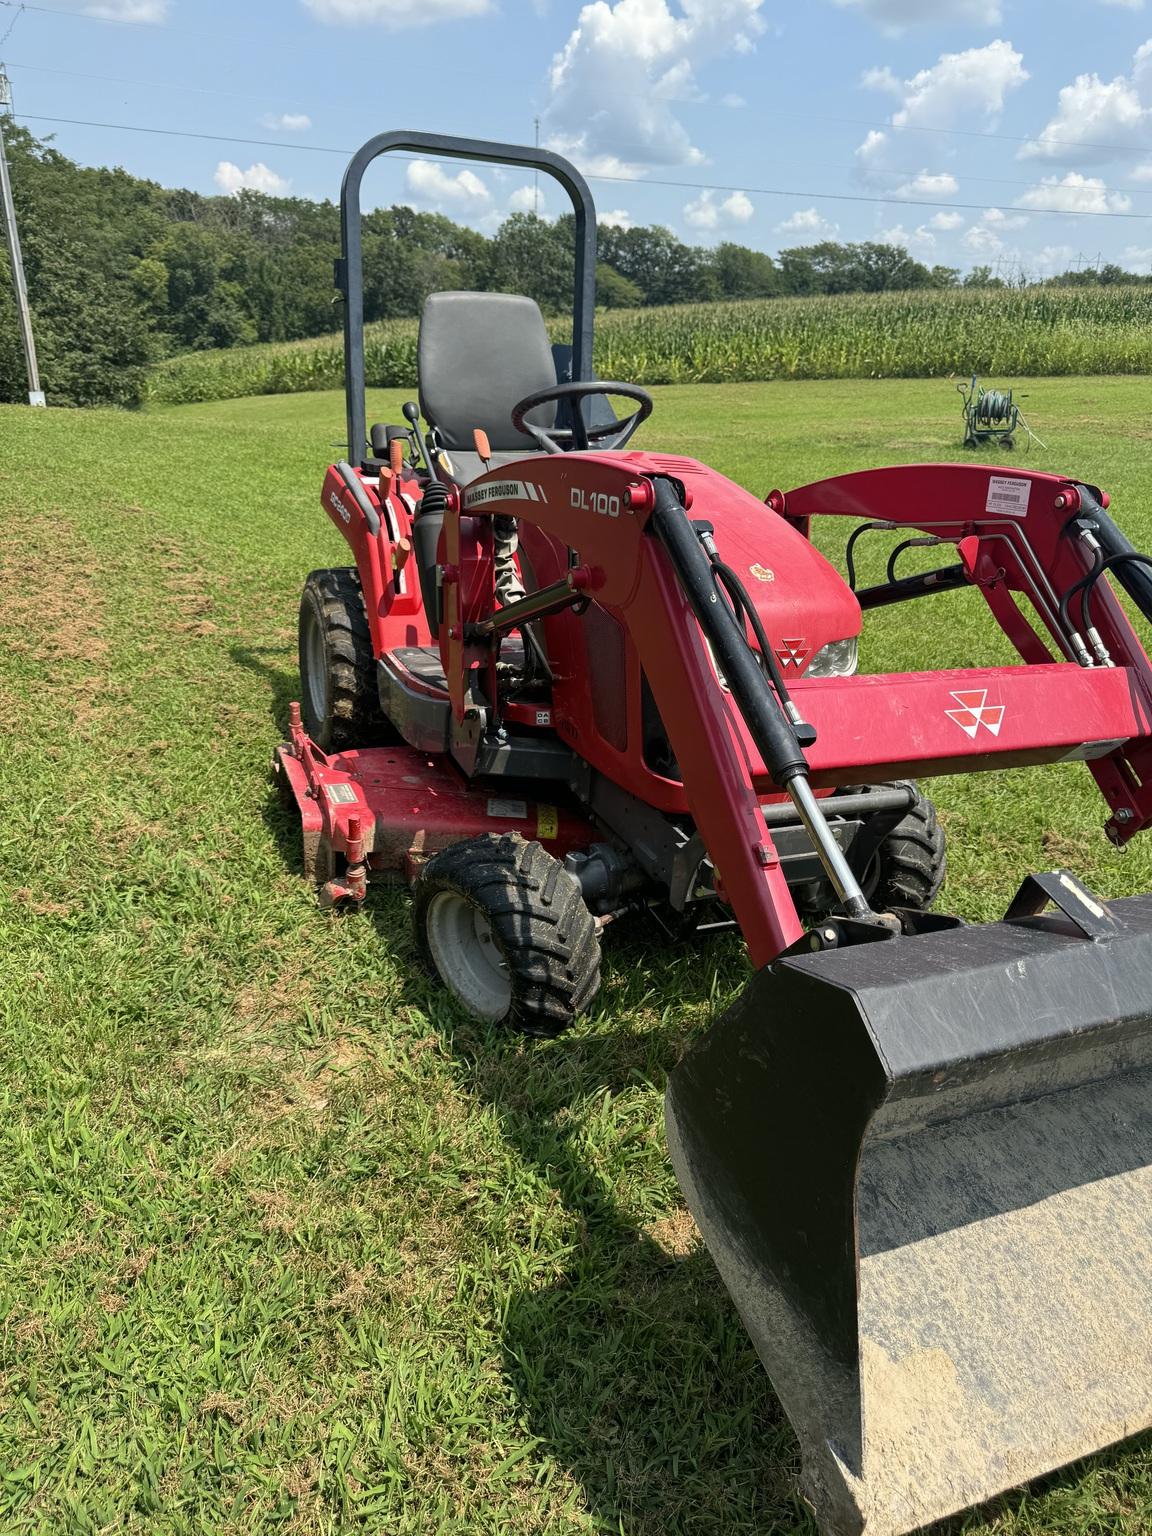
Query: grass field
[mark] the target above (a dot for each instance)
(926, 334)
(286, 1245)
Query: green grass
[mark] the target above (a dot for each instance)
(855, 336)
(286, 1246)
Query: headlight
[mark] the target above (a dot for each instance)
(837, 659)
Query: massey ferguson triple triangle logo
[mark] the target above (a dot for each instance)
(792, 653)
(975, 711)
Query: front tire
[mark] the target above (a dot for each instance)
(910, 864)
(504, 926)
(340, 703)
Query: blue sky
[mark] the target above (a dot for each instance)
(1016, 133)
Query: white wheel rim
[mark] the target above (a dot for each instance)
(467, 956)
(315, 667)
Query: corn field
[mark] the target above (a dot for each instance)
(897, 335)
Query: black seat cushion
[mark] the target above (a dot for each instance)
(480, 353)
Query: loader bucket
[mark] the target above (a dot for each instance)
(922, 1168)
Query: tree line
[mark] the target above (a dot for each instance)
(122, 271)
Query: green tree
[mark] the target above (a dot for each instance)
(530, 255)
(742, 273)
(615, 291)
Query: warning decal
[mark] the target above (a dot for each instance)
(547, 821)
(340, 794)
(1008, 496)
(509, 810)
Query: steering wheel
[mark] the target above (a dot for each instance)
(611, 434)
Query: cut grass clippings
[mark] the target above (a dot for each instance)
(286, 1244)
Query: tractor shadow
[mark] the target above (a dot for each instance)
(631, 1365)
(281, 819)
(283, 686)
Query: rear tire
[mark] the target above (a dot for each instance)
(911, 862)
(340, 702)
(504, 926)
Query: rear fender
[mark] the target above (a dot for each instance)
(391, 588)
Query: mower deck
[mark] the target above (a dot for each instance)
(402, 805)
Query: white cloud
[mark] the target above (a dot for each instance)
(996, 218)
(1127, 5)
(1055, 258)
(615, 218)
(257, 178)
(946, 221)
(872, 151)
(616, 81)
(1141, 173)
(432, 186)
(921, 238)
(287, 122)
(128, 10)
(806, 221)
(1137, 256)
(957, 85)
(731, 99)
(1092, 114)
(1074, 193)
(526, 200)
(930, 184)
(982, 241)
(704, 212)
(397, 15)
(895, 15)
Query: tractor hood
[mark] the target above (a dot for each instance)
(803, 600)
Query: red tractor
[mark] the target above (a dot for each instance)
(566, 678)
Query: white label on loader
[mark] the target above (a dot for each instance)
(1009, 496)
(340, 794)
(509, 810)
(503, 490)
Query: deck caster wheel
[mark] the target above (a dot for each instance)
(504, 926)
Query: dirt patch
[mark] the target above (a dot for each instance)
(678, 1235)
(52, 610)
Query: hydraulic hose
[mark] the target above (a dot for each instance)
(762, 709)
(1132, 575)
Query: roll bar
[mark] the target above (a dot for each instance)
(350, 270)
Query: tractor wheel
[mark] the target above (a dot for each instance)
(908, 868)
(340, 703)
(504, 926)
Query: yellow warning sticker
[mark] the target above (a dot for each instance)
(547, 821)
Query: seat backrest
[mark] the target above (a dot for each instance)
(479, 354)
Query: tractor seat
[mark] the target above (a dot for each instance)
(480, 353)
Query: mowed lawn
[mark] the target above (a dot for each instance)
(286, 1245)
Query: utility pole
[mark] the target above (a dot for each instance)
(15, 256)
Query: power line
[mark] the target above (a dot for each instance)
(148, 85)
(17, 12)
(166, 86)
(638, 181)
(857, 122)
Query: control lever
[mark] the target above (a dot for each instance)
(412, 416)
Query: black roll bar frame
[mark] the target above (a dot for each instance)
(350, 268)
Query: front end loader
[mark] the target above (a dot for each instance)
(566, 679)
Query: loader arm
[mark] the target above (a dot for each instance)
(605, 511)
(1017, 534)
